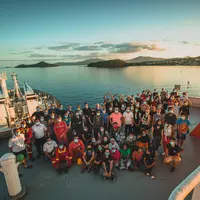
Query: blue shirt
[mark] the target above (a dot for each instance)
(105, 117)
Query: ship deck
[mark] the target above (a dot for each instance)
(42, 181)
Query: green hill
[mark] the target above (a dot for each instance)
(40, 65)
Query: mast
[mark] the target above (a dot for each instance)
(16, 86)
(3, 78)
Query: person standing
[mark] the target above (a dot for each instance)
(39, 133)
(182, 129)
(17, 145)
(60, 129)
(128, 121)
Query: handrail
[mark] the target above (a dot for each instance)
(186, 186)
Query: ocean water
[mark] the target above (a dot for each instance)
(74, 85)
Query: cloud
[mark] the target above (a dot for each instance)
(133, 48)
(42, 56)
(184, 42)
(98, 42)
(64, 47)
(88, 48)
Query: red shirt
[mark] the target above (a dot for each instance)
(60, 128)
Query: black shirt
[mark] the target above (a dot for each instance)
(185, 109)
(38, 114)
(87, 135)
(144, 139)
(157, 130)
(149, 158)
(170, 118)
(173, 151)
(107, 160)
(99, 155)
(87, 111)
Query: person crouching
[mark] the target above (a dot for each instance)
(76, 148)
(62, 160)
(88, 157)
(107, 166)
(115, 156)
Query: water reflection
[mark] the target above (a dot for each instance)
(73, 84)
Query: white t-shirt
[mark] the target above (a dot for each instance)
(49, 147)
(17, 143)
(128, 117)
(39, 131)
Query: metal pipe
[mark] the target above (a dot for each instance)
(186, 186)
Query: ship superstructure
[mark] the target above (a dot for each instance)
(15, 103)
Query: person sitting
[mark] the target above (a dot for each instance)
(125, 157)
(114, 144)
(107, 166)
(117, 133)
(173, 154)
(115, 156)
(137, 157)
(62, 160)
(49, 148)
(76, 148)
(130, 140)
(98, 158)
(149, 162)
(88, 157)
(95, 143)
(143, 140)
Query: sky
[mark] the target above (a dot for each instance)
(77, 30)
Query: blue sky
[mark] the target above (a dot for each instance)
(29, 29)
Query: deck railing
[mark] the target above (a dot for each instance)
(186, 186)
(195, 101)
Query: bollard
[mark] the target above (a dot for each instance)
(8, 167)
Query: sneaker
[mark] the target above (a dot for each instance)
(38, 156)
(153, 177)
(32, 159)
(147, 174)
(172, 169)
(114, 178)
(28, 166)
(163, 153)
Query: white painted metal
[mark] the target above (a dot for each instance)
(186, 186)
(9, 169)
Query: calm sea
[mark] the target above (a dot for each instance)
(78, 84)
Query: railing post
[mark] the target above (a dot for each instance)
(9, 169)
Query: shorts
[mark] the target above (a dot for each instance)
(181, 137)
(23, 152)
(169, 159)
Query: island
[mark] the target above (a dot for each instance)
(83, 62)
(148, 61)
(109, 64)
(187, 61)
(38, 65)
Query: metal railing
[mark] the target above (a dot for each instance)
(186, 186)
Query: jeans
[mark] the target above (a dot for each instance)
(39, 144)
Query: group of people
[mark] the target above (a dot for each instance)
(125, 132)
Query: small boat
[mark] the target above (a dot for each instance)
(17, 102)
